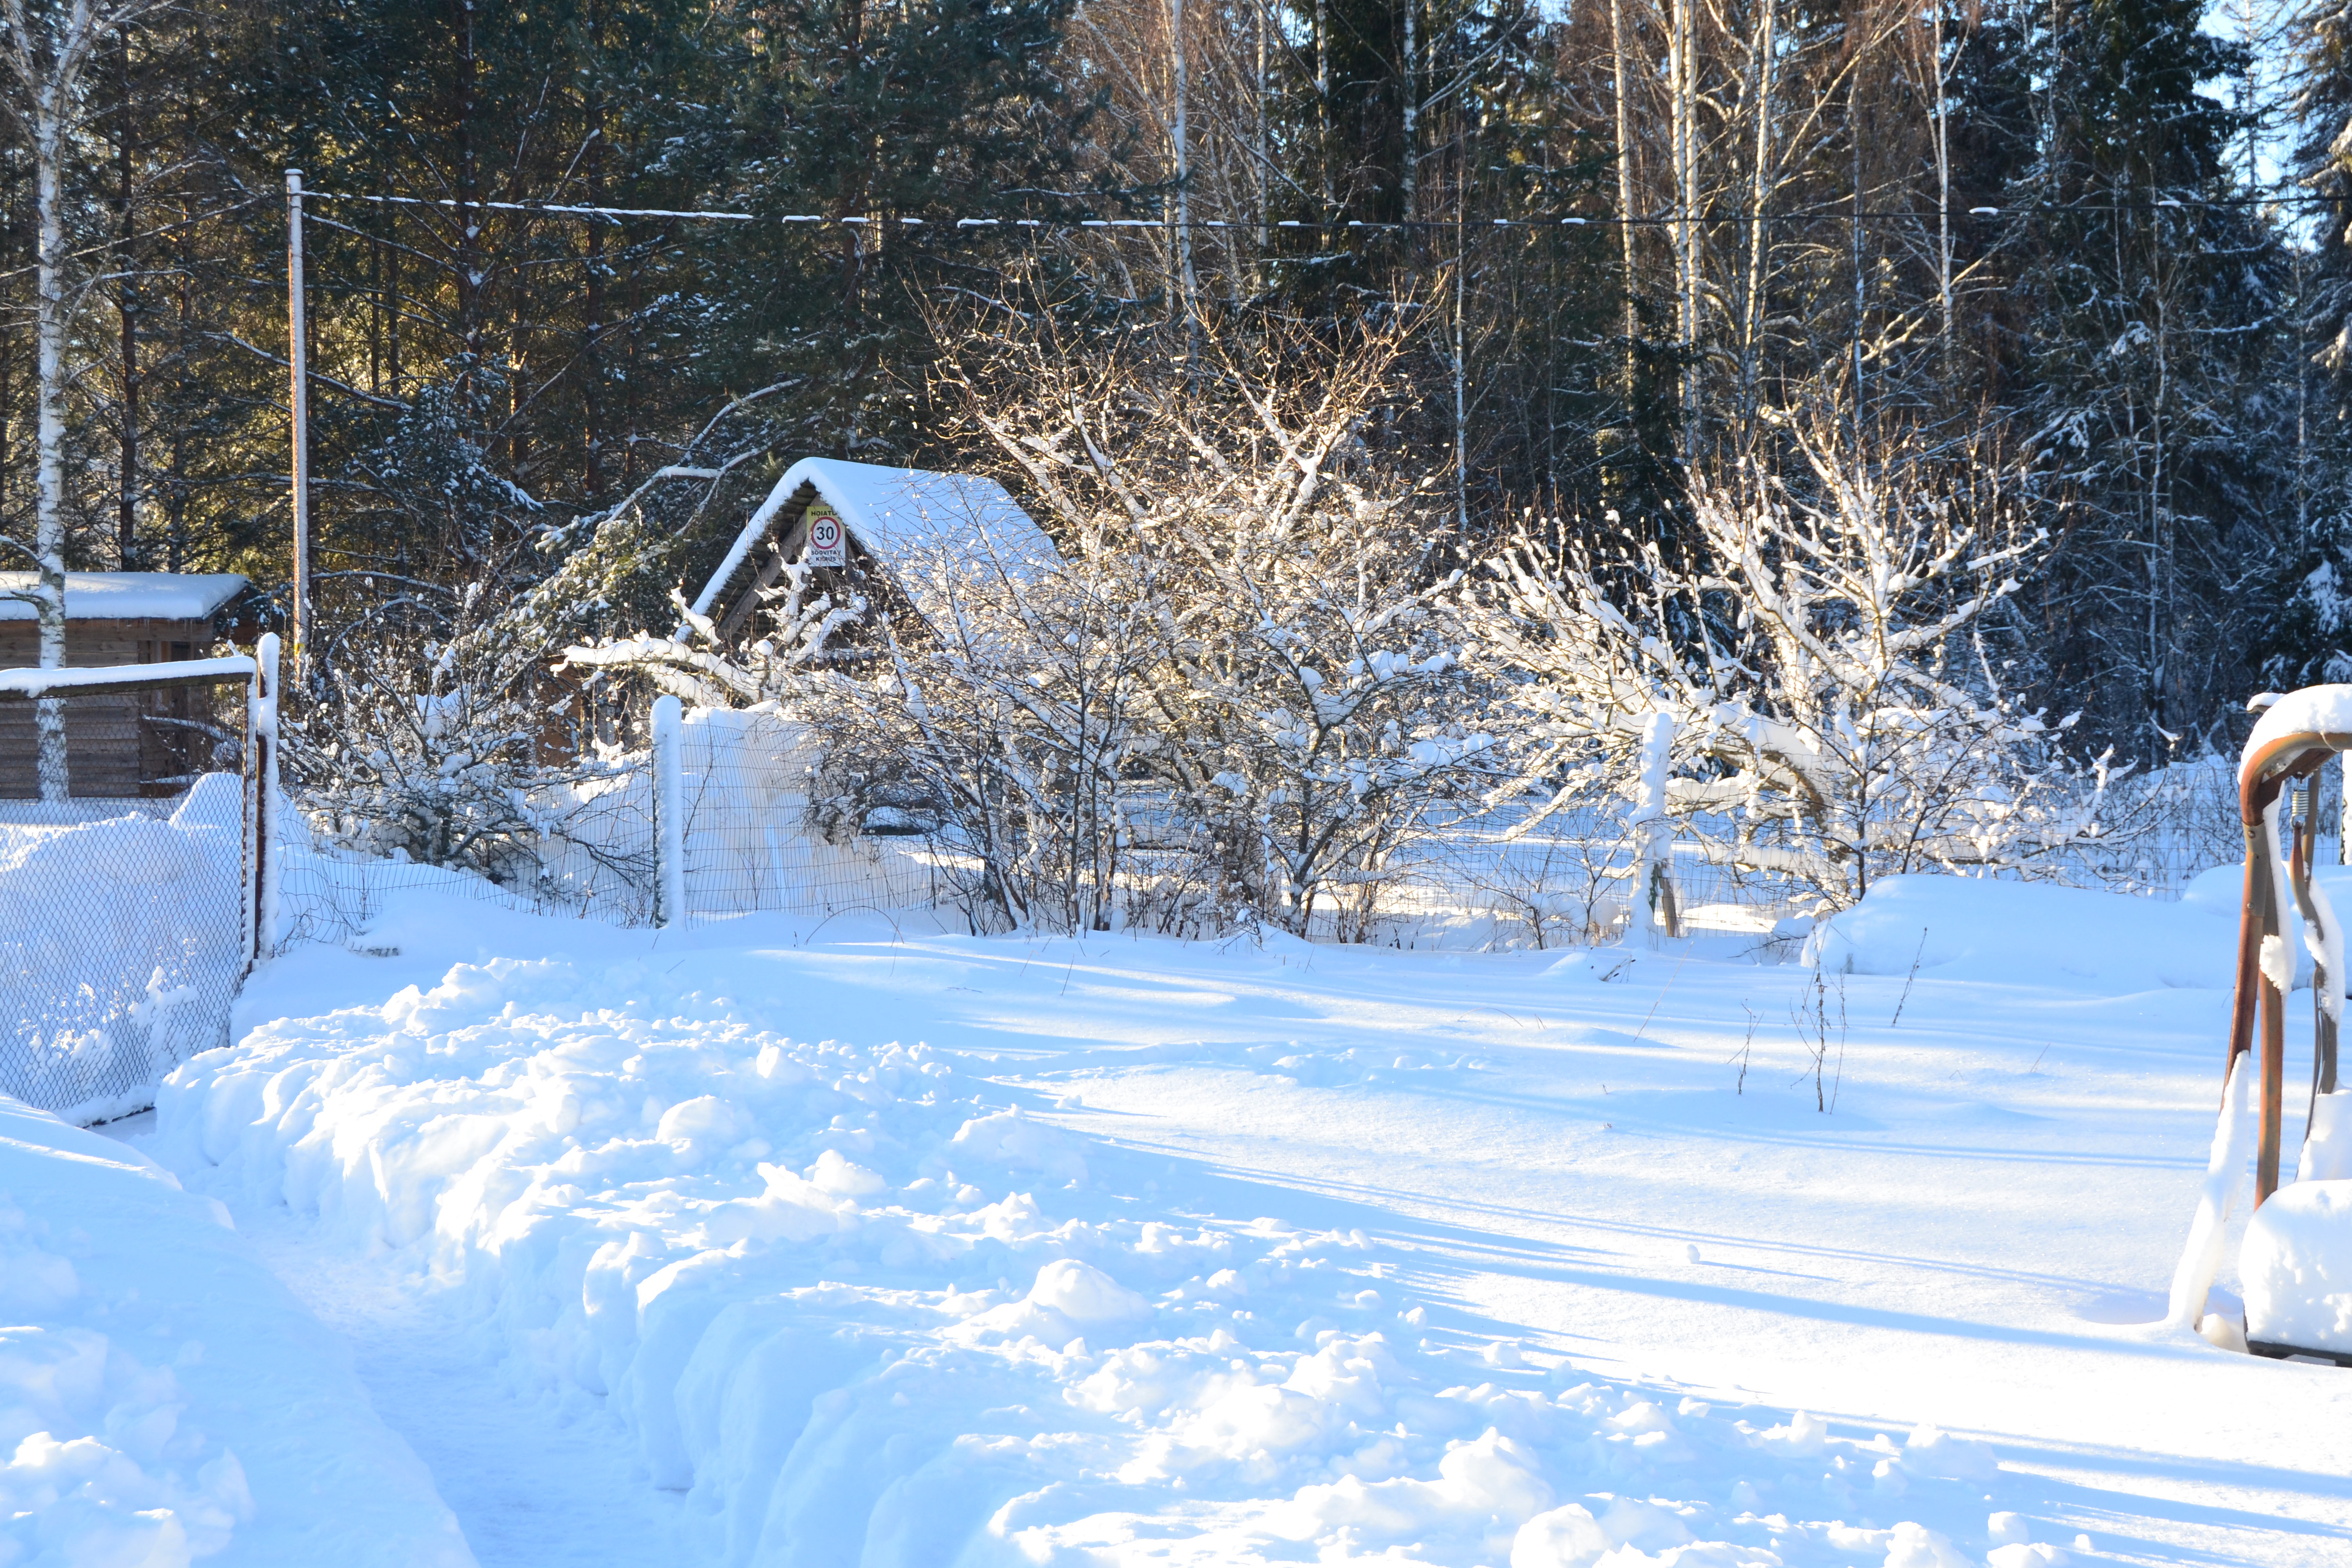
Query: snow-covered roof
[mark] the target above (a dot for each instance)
(905, 519)
(128, 596)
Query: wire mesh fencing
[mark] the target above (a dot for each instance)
(746, 840)
(749, 842)
(1471, 882)
(151, 744)
(124, 909)
(590, 855)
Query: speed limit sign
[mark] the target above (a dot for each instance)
(826, 544)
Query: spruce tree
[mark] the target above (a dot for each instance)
(2150, 409)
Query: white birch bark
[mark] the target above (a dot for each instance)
(1682, 72)
(47, 59)
(1625, 202)
(1943, 186)
(1412, 171)
(1183, 146)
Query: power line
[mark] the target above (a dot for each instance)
(192, 221)
(1338, 226)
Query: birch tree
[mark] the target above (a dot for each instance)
(49, 48)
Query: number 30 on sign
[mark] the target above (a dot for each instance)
(826, 544)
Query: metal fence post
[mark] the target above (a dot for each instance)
(669, 816)
(261, 933)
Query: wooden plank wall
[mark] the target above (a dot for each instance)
(111, 749)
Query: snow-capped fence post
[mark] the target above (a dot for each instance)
(261, 923)
(669, 816)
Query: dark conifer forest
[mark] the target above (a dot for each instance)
(2096, 246)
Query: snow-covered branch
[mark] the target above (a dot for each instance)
(1812, 659)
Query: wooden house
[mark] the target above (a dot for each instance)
(117, 745)
(903, 534)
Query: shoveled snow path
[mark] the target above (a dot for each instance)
(532, 1485)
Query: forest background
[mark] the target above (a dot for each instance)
(1635, 244)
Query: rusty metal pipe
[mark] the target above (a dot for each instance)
(2250, 950)
(2261, 776)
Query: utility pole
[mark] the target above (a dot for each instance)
(298, 360)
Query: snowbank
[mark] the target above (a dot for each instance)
(863, 1312)
(2296, 1265)
(1975, 928)
(162, 1399)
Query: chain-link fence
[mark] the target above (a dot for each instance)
(1470, 884)
(594, 857)
(748, 846)
(749, 842)
(124, 910)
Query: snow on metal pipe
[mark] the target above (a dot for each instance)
(669, 816)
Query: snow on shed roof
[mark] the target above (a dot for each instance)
(128, 596)
(903, 518)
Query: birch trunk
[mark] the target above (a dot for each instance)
(49, 360)
(1182, 137)
(1759, 241)
(1323, 104)
(1943, 188)
(1683, 74)
(1625, 201)
(1411, 171)
(48, 61)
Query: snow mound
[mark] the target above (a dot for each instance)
(162, 1400)
(862, 1311)
(2328, 1143)
(2296, 1267)
(1978, 930)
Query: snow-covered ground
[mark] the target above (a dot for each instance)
(860, 1245)
(164, 1398)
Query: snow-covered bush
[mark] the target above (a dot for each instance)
(1233, 696)
(1297, 710)
(433, 734)
(1811, 686)
(999, 718)
(1013, 719)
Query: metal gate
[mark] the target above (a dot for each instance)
(127, 924)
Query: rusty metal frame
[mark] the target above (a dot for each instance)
(2262, 775)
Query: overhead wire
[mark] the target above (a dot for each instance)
(1572, 220)
(102, 246)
